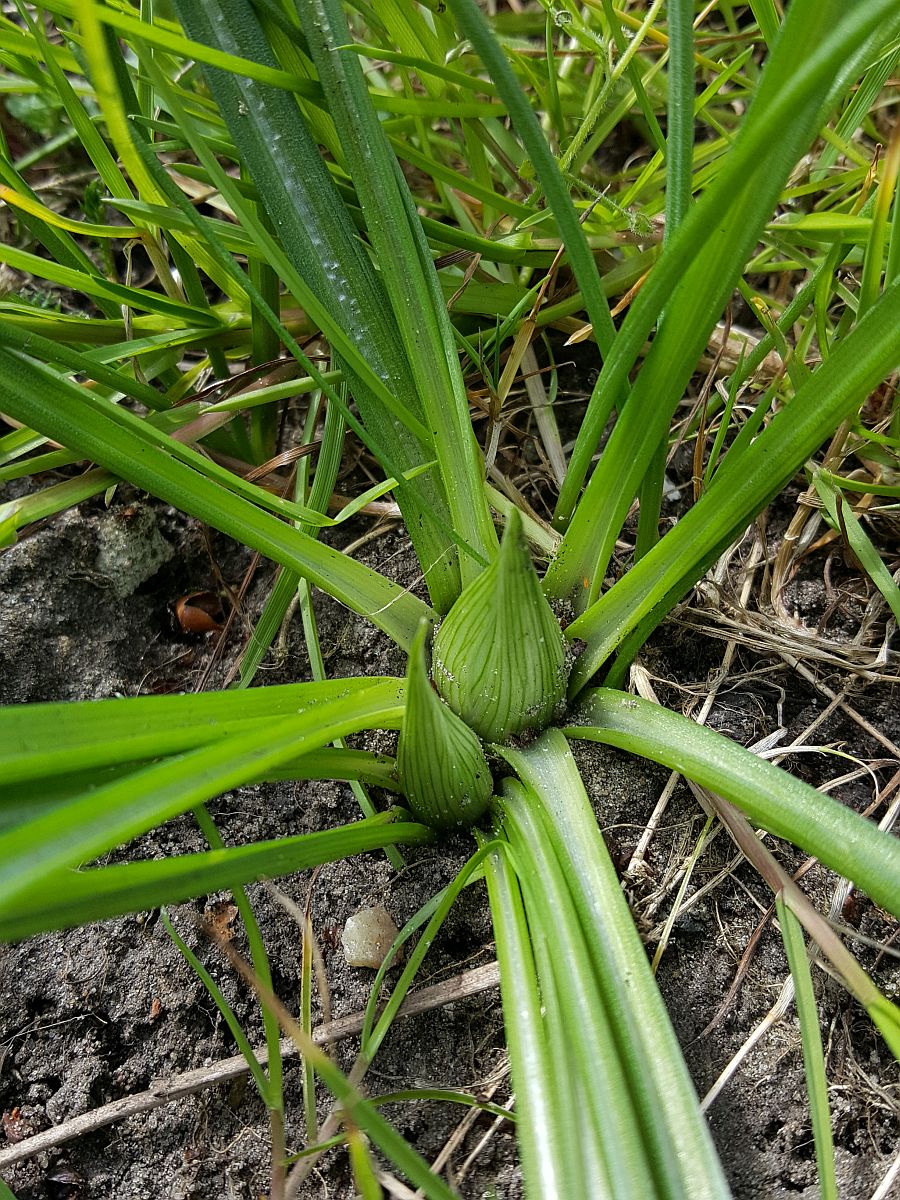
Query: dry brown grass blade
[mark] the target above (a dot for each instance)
(458, 1135)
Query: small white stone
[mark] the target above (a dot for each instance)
(367, 937)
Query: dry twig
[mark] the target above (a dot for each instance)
(174, 1087)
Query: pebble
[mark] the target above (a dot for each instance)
(367, 936)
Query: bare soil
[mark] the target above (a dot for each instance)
(90, 1015)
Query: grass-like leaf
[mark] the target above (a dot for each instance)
(572, 1002)
(40, 794)
(813, 1054)
(61, 900)
(843, 519)
(228, 1015)
(318, 236)
(133, 451)
(545, 1143)
(101, 818)
(43, 740)
(695, 276)
(746, 481)
(772, 799)
(473, 24)
(667, 1117)
(410, 278)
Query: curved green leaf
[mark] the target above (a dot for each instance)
(747, 480)
(134, 451)
(410, 278)
(343, 291)
(106, 816)
(818, 47)
(44, 740)
(770, 797)
(61, 900)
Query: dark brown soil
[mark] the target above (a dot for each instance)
(97, 1013)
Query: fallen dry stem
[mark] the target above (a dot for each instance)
(174, 1087)
(459, 1133)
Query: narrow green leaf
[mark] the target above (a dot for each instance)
(475, 27)
(338, 284)
(624, 1149)
(39, 794)
(447, 1096)
(845, 522)
(679, 113)
(434, 911)
(234, 1025)
(681, 1149)
(422, 66)
(430, 531)
(541, 1131)
(35, 506)
(409, 276)
(628, 56)
(164, 35)
(104, 817)
(124, 445)
(63, 900)
(747, 479)
(89, 137)
(771, 798)
(38, 741)
(886, 1017)
(115, 87)
(818, 47)
(101, 289)
(854, 114)
(767, 19)
(365, 1180)
(56, 351)
(813, 1054)
(61, 246)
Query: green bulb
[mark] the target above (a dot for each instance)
(442, 766)
(500, 656)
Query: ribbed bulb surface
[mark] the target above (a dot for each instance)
(499, 656)
(442, 766)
